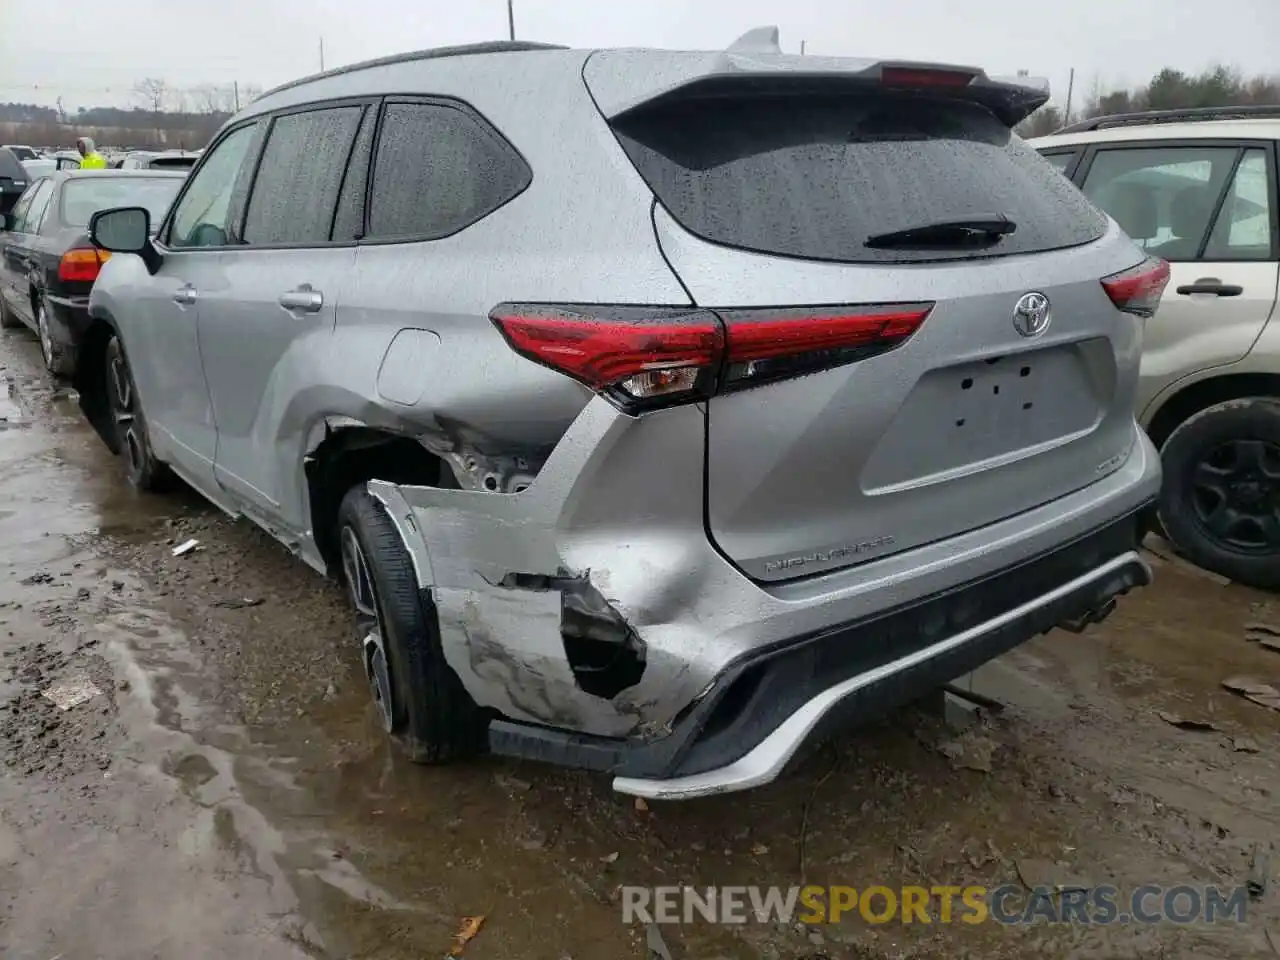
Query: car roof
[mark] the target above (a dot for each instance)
(117, 173)
(1258, 129)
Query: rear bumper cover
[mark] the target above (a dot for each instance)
(726, 662)
(763, 708)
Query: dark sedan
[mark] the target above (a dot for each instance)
(48, 265)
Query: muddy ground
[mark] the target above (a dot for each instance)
(226, 793)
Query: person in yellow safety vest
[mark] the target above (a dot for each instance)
(90, 158)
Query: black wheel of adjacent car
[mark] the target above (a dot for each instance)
(420, 700)
(141, 467)
(7, 319)
(1220, 502)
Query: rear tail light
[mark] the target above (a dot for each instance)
(1138, 289)
(641, 358)
(82, 264)
(915, 77)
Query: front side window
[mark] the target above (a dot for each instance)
(1163, 197)
(1059, 161)
(438, 169)
(203, 215)
(296, 188)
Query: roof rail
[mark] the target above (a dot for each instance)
(1246, 112)
(433, 53)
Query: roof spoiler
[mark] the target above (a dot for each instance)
(755, 64)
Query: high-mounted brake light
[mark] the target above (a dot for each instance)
(82, 264)
(1138, 289)
(642, 358)
(924, 77)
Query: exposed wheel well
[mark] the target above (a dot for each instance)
(352, 455)
(90, 380)
(1191, 400)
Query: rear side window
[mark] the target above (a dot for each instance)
(814, 177)
(295, 191)
(438, 169)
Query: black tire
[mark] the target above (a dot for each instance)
(7, 320)
(1220, 501)
(124, 407)
(430, 715)
(56, 360)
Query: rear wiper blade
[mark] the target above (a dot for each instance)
(947, 233)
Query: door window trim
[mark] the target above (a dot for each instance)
(1240, 145)
(452, 103)
(242, 210)
(161, 239)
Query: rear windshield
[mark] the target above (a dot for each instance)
(172, 162)
(10, 167)
(815, 177)
(81, 199)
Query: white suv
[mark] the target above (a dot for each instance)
(1199, 188)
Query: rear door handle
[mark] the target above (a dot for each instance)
(1211, 285)
(304, 299)
(186, 296)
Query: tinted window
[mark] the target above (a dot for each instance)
(39, 204)
(815, 177)
(296, 189)
(1243, 228)
(1163, 197)
(39, 200)
(438, 169)
(203, 215)
(19, 211)
(1059, 161)
(81, 199)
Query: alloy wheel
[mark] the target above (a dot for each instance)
(123, 410)
(1235, 495)
(46, 339)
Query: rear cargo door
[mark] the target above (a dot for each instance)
(779, 208)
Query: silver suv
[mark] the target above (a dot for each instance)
(660, 410)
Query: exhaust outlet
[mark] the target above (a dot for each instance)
(1095, 615)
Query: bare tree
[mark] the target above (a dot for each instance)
(211, 98)
(153, 93)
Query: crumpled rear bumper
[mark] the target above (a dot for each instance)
(735, 674)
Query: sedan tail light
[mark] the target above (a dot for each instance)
(646, 357)
(1138, 289)
(82, 264)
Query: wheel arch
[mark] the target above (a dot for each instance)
(351, 452)
(1179, 406)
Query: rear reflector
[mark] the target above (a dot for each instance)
(645, 357)
(82, 264)
(917, 77)
(1138, 289)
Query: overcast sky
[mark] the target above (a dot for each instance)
(91, 53)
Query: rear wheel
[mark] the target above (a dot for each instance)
(143, 470)
(55, 359)
(420, 700)
(1220, 502)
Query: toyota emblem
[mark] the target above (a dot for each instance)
(1031, 315)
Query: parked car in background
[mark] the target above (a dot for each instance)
(13, 179)
(1199, 189)
(48, 265)
(40, 167)
(159, 160)
(66, 160)
(659, 415)
(21, 151)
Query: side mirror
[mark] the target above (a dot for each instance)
(125, 230)
(5, 221)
